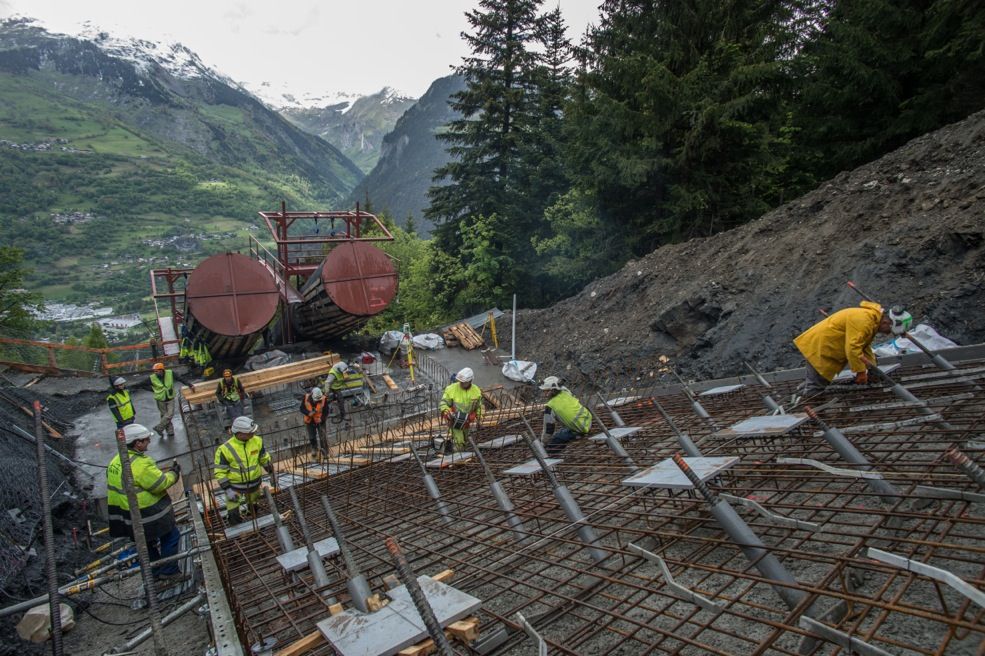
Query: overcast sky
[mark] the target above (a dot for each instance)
(302, 46)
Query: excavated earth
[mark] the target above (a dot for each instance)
(908, 228)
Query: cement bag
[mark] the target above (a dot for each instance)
(924, 333)
(520, 371)
(268, 359)
(390, 340)
(428, 341)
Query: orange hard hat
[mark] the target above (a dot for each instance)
(227, 372)
(158, 366)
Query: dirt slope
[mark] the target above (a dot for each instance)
(908, 228)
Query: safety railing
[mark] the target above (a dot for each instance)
(55, 358)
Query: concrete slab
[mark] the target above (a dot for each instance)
(847, 375)
(454, 359)
(617, 432)
(665, 474)
(249, 526)
(724, 389)
(500, 442)
(531, 467)
(316, 469)
(297, 559)
(401, 458)
(763, 426)
(448, 461)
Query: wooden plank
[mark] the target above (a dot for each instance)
(304, 645)
(466, 630)
(389, 382)
(256, 380)
(370, 384)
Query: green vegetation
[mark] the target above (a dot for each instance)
(16, 304)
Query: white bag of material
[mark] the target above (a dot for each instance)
(924, 334)
(520, 371)
(266, 360)
(390, 340)
(428, 341)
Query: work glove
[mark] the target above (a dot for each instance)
(269, 469)
(232, 496)
(446, 415)
(862, 378)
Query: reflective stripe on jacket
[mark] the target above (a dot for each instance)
(456, 398)
(228, 392)
(163, 389)
(240, 464)
(120, 405)
(313, 412)
(152, 497)
(344, 381)
(840, 339)
(570, 412)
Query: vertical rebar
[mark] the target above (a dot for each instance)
(315, 563)
(614, 445)
(966, 465)
(283, 533)
(905, 394)
(686, 443)
(502, 499)
(358, 587)
(153, 611)
(431, 487)
(408, 578)
(54, 601)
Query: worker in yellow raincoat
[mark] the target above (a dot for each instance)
(845, 338)
(461, 408)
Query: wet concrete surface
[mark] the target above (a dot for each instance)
(486, 375)
(95, 442)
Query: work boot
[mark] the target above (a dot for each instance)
(233, 517)
(448, 447)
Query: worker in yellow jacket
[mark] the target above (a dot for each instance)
(461, 408)
(239, 462)
(845, 338)
(562, 407)
(151, 486)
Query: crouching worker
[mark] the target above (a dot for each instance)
(151, 486)
(461, 408)
(563, 407)
(239, 466)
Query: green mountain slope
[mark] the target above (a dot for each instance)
(112, 163)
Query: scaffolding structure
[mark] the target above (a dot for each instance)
(851, 522)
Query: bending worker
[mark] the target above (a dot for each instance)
(845, 338)
(120, 403)
(342, 378)
(238, 464)
(563, 407)
(162, 384)
(315, 411)
(156, 514)
(230, 393)
(461, 407)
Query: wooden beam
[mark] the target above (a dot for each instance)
(304, 645)
(257, 380)
(389, 382)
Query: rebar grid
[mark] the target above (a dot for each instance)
(623, 604)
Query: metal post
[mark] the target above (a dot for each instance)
(408, 578)
(54, 602)
(502, 499)
(837, 440)
(358, 588)
(616, 418)
(750, 544)
(905, 394)
(432, 487)
(283, 533)
(695, 404)
(966, 465)
(314, 560)
(140, 539)
(690, 448)
(767, 399)
(614, 445)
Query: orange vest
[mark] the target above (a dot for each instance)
(314, 411)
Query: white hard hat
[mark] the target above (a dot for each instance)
(135, 432)
(902, 320)
(551, 383)
(340, 366)
(119, 381)
(465, 375)
(244, 425)
(316, 394)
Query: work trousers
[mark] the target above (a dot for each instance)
(166, 408)
(317, 435)
(233, 409)
(813, 381)
(166, 545)
(560, 440)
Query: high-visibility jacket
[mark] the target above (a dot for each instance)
(314, 412)
(457, 399)
(341, 381)
(570, 412)
(185, 348)
(121, 405)
(163, 389)
(842, 338)
(240, 464)
(228, 392)
(151, 485)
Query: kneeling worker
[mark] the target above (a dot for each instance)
(151, 486)
(314, 407)
(238, 464)
(461, 406)
(565, 408)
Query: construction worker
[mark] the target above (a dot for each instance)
(162, 384)
(120, 403)
(314, 407)
(340, 379)
(238, 464)
(151, 486)
(230, 393)
(845, 338)
(563, 407)
(461, 407)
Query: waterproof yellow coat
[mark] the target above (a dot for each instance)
(455, 399)
(842, 338)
